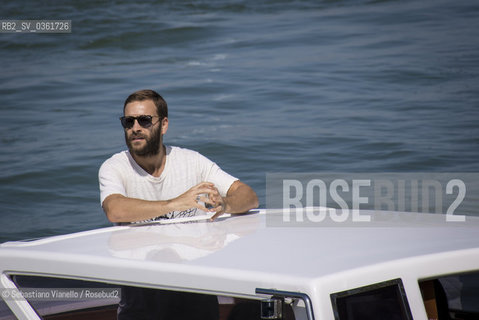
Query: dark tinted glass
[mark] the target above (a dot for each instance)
(144, 121)
(379, 301)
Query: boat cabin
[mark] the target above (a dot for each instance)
(260, 265)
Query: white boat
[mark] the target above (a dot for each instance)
(397, 266)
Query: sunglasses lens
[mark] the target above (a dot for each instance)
(127, 122)
(144, 121)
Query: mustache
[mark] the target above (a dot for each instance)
(136, 135)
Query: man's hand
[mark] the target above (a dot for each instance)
(239, 199)
(217, 202)
(202, 193)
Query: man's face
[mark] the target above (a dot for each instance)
(144, 142)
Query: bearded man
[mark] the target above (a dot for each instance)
(153, 181)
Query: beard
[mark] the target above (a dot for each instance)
(152, 147)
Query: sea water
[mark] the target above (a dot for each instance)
(256, 86)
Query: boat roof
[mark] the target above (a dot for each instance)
(234, 255)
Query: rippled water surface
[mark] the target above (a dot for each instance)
(257, 86)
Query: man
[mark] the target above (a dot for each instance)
(152, 181)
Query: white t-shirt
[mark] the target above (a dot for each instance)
(184, 169)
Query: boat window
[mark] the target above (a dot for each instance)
(451, 297)
(58, 298)
(5, 312)
(385, 300)
(132, 301)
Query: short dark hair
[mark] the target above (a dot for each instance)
(147, 94)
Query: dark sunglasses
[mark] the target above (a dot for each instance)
(143, 120)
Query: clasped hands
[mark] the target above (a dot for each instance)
(204, 196)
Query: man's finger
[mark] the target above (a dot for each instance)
(218, 212)
(216, 215)
(208, 185)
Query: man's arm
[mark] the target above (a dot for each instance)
(239, 199)
(119, 208)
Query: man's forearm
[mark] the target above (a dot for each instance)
(240, 198)
(119, 208)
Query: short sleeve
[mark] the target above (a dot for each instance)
(110, 180)
(214, 174)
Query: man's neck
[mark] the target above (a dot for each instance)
(154, 165)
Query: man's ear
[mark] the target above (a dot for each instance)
(164, 125)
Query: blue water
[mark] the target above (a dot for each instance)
(257, 86)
